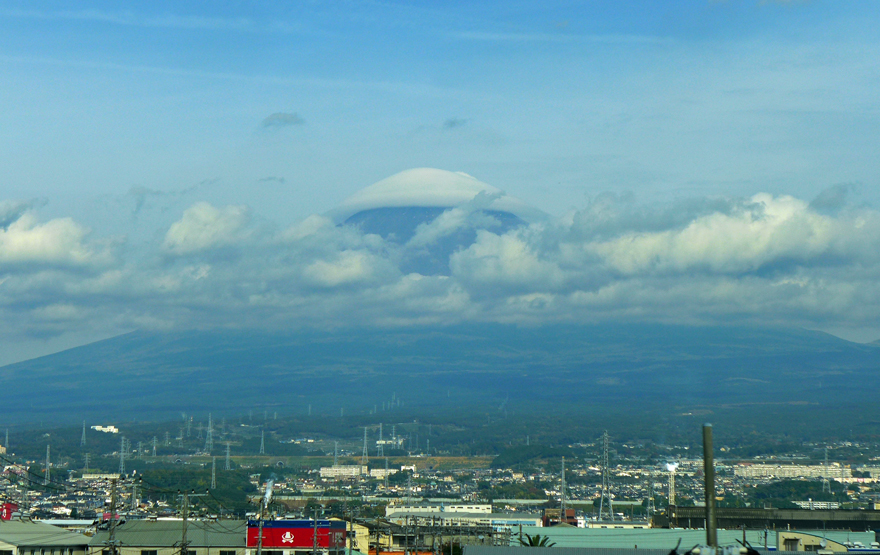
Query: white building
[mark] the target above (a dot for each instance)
(833, 470)
(343, 471)
(483, 508)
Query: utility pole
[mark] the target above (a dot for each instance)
(335, 453)
(227, 456)
(380, 452)
(826, 485)
(134, 495)
(562, 493)
(213, 472)
(155, 440)
(122, 456)
(709, 486)
(315, 534)
(82, 442)
(112, 540)
(364, 457)
(47, 479)
(262, 442)
(184, 542)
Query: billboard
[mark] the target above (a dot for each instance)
(287, 534)
(6, 510)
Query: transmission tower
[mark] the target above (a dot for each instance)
(209, 435)
(46, 481)
(606, 481)
(140, 449)
(87, 456)
(262, 442)
(167, 439)
(227, 456)
(213, 472)
(649, 510)
(826, 485)
(364, 456)
(82, 442)
(155, 441)
(380, 451)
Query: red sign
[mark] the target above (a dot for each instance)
(6, 510)
(275, 536)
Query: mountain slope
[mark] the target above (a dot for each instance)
(144, 375)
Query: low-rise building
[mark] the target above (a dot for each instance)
(23, 537)
(165, 537)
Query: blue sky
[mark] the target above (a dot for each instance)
(118, 120)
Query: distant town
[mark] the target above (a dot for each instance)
(405, 487)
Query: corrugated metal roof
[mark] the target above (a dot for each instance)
(168, 533)
(665, 538)
(490, 550)
(27, 533)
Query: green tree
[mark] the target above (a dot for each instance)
(536, 541)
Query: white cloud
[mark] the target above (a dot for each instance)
(60, 241)
(766, 259)
(346, 268)
(205, 227)
(765, 231)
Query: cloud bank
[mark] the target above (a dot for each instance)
(764, 259)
